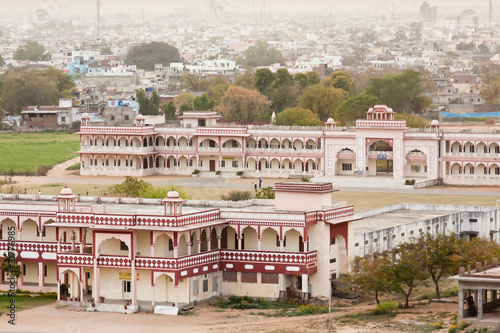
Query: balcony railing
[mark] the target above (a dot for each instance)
(178, 221)
(269, 262)
(117, 130)
(32, 246)
(75, 259)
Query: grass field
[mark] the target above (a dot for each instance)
(24, 153)
(24, 302)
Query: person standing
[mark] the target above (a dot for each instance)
(260, 182)
(254, 185)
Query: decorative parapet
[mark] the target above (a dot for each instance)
(304, 187)
(78, 259)
(40, 247)
(178, 221)
(116, 130)
(221, 130)
(114, 261)
(331, 214)
(381, 123)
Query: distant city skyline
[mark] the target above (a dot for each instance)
(158, 7)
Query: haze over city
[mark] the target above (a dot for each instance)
(160, 8)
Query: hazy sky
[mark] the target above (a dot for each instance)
(87, 7)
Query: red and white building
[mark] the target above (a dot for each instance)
(377, 146)
(167, 252)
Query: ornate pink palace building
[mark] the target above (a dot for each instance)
(166, 252)
(377, 146)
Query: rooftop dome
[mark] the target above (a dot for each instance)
(85, 115)
(140, 116)
(173, 194)
(330, 120)
(66, 191)
(434, 122)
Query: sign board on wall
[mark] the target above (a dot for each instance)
(126, 276)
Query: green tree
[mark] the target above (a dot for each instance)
(2, 61)
(404, 92)
(297, 117)
(342, 80)
(106, 50)
(406, 269)
(412, 121)
(370, 274)
(169, 110)
(32, 51)
(283, 78)
(436, 251)
(145, 56)
(193, 82)
(148, 105)
(321, 100)
(490, 87)
(475, 250)
(184, 98)
(355, 108)
(312, 78)
(217, 87)
(264, 80)
(203, 103)
(483, 49)
(245, 80)
(185, 107)
(243, 105)
(10, 265)
(466, 46)
(261, 54)
(130, 187)
(27, 86)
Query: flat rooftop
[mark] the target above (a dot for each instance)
(396, 218)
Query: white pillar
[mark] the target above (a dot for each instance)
(305, 283)
(259, 244)
(479, 302)
(153, 297)
(460, 303)
(176, 296)
(41, 274)
(58, 288)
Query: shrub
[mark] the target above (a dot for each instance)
(217, 172)
(452, 329)
(239, 173)
(195, 172)
(75, 166)
(236, 196)
(265, 193)
(437, 326)
(464, 324)
(305, 179)
(410, 182)
(64, 290)
(385, 308)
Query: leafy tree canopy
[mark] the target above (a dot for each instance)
(145, 56)
(355, 108)
(32, 51)
(297, 117)
(169, 110)
(148, 105)
(27, 86)
(193, 82)
(243, 105)
(135, 188)
(106, 50)
(412, 121)
(321, 100)
(261, 54)
(404, 92)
